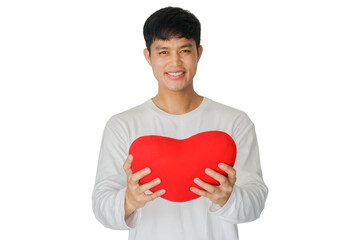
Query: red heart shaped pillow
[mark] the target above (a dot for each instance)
(178, 162)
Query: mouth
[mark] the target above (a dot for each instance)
(175, 73)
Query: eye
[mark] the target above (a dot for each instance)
(163, 52)
(186, 51)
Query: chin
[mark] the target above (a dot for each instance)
(178, 89)
(175, 86)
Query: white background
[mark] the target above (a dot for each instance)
(293, 66)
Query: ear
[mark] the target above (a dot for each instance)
(200, 50)
(147, 56)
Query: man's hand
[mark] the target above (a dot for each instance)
(217, 194)
(135, 196)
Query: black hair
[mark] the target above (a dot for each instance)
(171, 22)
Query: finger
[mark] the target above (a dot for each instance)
(139, 175)
(199, 192)
(127, 164)
(217, 176)
(229, 170)
(155, 195)
(149, 185)
(208, 187)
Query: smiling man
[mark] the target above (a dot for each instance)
(177, 112)
(174, 63)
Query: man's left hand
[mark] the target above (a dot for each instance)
(217, 194)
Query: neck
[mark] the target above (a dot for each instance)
(177, 102)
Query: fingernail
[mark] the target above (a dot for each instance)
(147, 170)
(157, 181)
(207, 170)
(196, 180)
(162, 191)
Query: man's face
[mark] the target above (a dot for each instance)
(174, 62)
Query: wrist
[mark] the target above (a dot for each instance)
(129, 208)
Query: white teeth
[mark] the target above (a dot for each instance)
(175, 74)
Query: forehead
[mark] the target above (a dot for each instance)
(173, 43)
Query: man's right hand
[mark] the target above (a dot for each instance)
(135, 196)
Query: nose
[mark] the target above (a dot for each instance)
(176, 60)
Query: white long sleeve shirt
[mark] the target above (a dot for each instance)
(161, 219)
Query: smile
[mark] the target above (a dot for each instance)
(175, 74)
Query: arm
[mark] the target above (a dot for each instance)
(117, 196)
(247, 199)
(241, 196)
(108, 199)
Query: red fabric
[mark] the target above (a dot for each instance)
(178, 162)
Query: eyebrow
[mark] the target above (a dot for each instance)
(183, 46)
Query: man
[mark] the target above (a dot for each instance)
(173, 50)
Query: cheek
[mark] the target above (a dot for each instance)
(193, 67)
(158, 67)
(192, 63)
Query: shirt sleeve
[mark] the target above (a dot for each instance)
(249, 194)
(108, 198)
